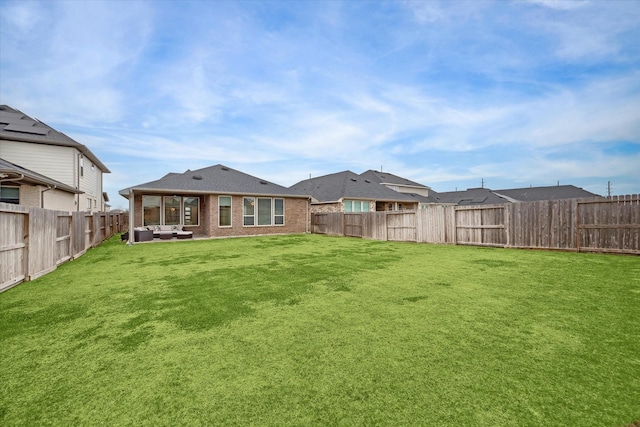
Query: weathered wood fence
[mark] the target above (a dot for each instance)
(585, 225)
(33, 242)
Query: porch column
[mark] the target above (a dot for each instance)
(131, 217)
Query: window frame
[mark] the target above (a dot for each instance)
(159, 206)
(184, 213)
(245, 215)
(276, 215)
(356, 206)
(269, 205)
(255, 215)
(178, 208)
(230, 212)
(10, 200)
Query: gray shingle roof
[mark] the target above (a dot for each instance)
(389, 178)
(218, 179)
(472, 196)
(485, 196)
(17, 175)
(555, 192)
(347, 184)
(17, 126)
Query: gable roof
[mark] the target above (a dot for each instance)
(389, 178)
(555, 192)
(347, 184)
(10, 173)
(218, 179)
(485, 196)
(471, 196)
(17, 126)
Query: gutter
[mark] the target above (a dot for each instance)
(191, 192)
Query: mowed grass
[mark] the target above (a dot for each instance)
(315, 330)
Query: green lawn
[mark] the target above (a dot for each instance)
(315, 330)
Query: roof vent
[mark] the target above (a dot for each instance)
(263, 182)
(353, 179)
(224, 168)
(197, 177)
(366, 180)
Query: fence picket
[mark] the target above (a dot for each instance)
(593, 225)
(35, 241)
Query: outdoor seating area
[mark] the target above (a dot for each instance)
(162, 232)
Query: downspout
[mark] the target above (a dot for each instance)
(78, 186)
(49, 188)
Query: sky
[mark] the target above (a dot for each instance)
(451, 94)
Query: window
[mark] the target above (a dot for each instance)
(88, 204)
(278, 211)
(356, 206)
(264, 211)
(172, 210)
(191, 211)
(224, 209)
(151, 210)
(248, 211)
(81, 166)
(10, 195)
(270, 211)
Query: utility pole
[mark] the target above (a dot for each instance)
(482, 183)
(608, 188)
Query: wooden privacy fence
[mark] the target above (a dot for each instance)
(585, 225)
(33, 242)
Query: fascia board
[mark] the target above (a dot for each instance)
(230, 193)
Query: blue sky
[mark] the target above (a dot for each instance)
(515, 93)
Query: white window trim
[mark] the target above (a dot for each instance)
(255, 209)
(273, 210)
(270, 211)
(353, 201)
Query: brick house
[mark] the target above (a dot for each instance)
(369, 191)
(218, 201)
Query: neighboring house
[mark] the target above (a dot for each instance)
(22, 186)
(485, 196)
(370, 191)
(218, 201)
(40, 149)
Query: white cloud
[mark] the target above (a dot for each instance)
(560, 4)
(80, 54)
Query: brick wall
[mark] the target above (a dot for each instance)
(296, 218)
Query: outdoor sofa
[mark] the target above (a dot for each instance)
(163, 232)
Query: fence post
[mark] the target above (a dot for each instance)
(576, 206)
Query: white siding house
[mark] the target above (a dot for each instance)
(36, 147)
